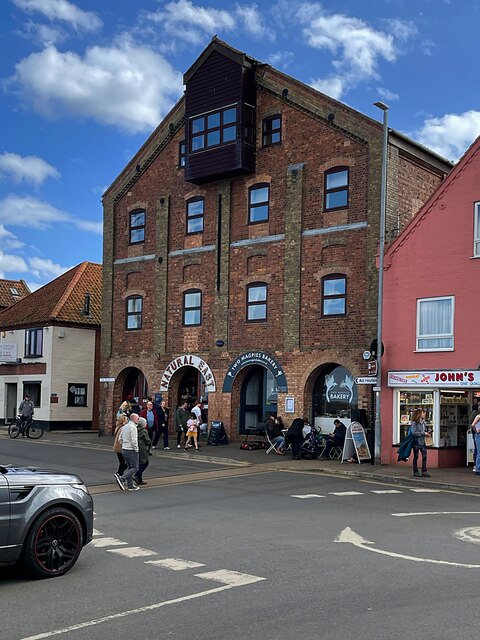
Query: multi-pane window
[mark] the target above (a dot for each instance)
(76, 395)
(192, 307)
(33, 343)
(258, 203)
(195, 213)
(213, 129)
(34, 390)
(336, 189)
(435, 324)
(134, 312)
(257, 302)
(271, 130)
(137, 226)
(476, 241)
(334, 295)
(182, 153)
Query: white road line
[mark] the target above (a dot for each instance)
(175, 564)
(425, 490)
(124, 614)
(469, 534)
(133, 552)
(106, 542)
(435, 513)
(96, 533)
(231, 578)
(345, 493)
(308, 495)
(387, 491)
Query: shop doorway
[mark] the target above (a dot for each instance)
(131, 385)
(10, 401)
(258, 396)
(192, 388)
(334, 396)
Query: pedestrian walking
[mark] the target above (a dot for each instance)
(144, 444)
(163, 414)
(294, 436)
(473, 414)
(150, 416)
(476, 439)
(419, 431)
(181, 418)
(117, 445)
(192, 431)
(129, 441)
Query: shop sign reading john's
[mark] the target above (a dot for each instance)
(188, 361)
(434, 378)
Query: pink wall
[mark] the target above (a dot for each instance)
(431, 258)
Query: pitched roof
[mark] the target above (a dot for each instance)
(60, 301)
(12, 291)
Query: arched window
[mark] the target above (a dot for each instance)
(137, 226)
(134, 313)
(192, 307)
(336, 188)
(257, 302)
(334, 295)
(195, 213)
(258, 203)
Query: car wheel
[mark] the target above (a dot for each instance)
(53, 543)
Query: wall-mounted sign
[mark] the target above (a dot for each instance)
(258, 358)
(289, 404)
(366, 380)
(188, 361)
(438, 378)
(8, 352)
(107, 379)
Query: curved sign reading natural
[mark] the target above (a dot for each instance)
(256, 357)
(188, 361)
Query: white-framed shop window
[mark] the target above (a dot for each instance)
(435, 324)
(476, 230)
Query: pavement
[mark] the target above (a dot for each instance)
(455, 479)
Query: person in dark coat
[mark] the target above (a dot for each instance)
(144, 443)
(335, 439)
(419, 431)
(274, 430)
(181, 417)
(295, 436)
(163, 413)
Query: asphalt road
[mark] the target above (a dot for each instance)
(254, 557)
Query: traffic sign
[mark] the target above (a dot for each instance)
(366, 380)
(366, 355)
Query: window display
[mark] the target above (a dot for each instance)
(408, 402)
(454, 410)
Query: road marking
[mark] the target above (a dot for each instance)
(469, 534)
(435, 513)
(124, 614)
(351, 537)
(133, 552)
(96, 533)
(346, 493)
(106, 542)
(231, 578)
(386, 491)
(175, 564)
(425, 490)
(308, 495)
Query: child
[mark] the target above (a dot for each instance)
(192, 428)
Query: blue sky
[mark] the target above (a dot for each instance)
(84, 83)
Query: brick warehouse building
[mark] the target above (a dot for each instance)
(240, 248)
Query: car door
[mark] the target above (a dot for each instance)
(4, 513)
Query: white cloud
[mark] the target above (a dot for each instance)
(125, 85)
(9, 240)
(43, 33)
(333, 86)
(63, 11)
(450, 135)
(27, 168)
(386, 94)
(281, 59)
(252, 21)
(45, 268)
(33, 286)
(30, 212)
(12, 264)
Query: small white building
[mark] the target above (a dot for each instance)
(50, 349)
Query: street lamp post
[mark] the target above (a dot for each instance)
(383, 202)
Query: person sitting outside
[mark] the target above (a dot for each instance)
(335, 439)
(273, 427)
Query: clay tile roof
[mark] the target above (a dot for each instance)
(12, 291)
(60, 301)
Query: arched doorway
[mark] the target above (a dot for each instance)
(192, 387)
(258, 396)
(334, 395)
(132, 385)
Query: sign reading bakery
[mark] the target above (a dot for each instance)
(434, 378)
(188, 360)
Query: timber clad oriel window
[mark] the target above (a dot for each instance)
(257, 302)
(213, 129)
(195, 213)
(336, 189)
(137, 227)
(271, 130)
(192, 307)
(334, 295)
(134, 312)
(258, 203)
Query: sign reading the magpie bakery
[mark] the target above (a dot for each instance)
(256, 358)
(188, 360)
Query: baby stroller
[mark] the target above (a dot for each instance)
(311, 448)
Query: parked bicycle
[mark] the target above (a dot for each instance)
(25, 427)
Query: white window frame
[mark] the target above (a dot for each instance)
(436, 335)
(476, 227)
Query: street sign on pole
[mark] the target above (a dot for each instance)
(366, 380)
(372, 367)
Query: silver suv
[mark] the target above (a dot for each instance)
(46, 518)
